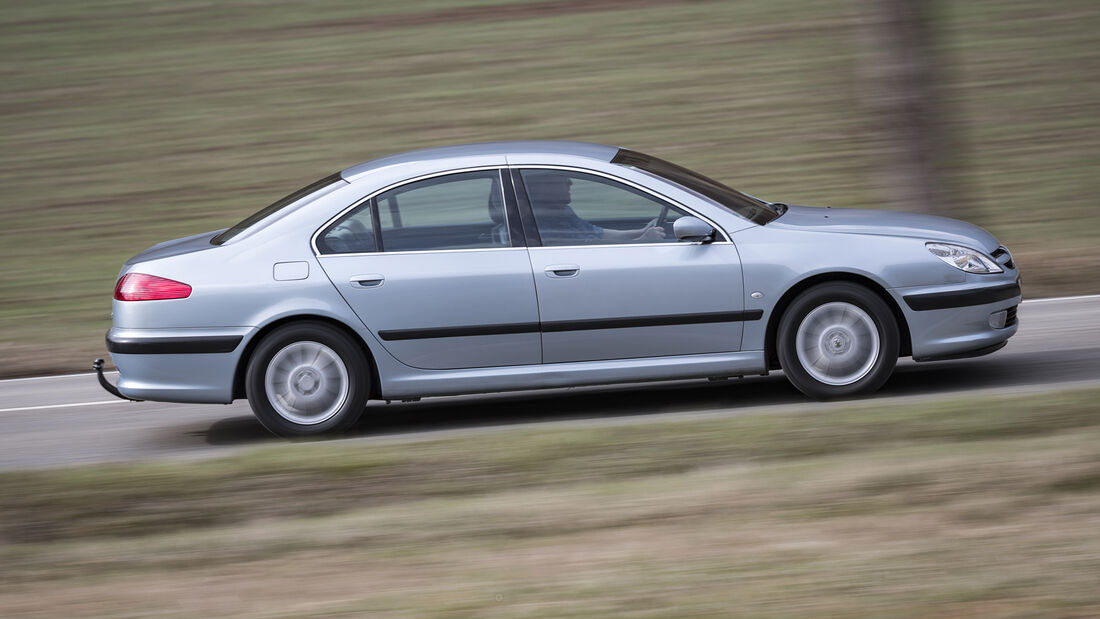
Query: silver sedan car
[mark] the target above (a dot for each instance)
(522, 265)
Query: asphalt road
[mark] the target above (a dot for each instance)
(69, 420)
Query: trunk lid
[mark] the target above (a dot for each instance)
(185, 245)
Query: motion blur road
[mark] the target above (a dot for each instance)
(68, 420)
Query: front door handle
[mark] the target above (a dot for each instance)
(372, 280)
(562, 270)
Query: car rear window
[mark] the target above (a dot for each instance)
(277, 206)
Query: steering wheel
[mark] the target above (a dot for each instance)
(662, 219)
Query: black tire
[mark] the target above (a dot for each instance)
(844, 327)
(319, 380)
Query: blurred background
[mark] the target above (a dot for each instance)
(127, 123)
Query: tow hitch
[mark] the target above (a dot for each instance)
(97, 365)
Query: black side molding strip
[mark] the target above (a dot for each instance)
(961, 298)
(650, 321)
(391, 335)
(173, 345)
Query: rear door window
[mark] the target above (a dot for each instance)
(464, 210)
(456, 211)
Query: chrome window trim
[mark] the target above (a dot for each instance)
(422, 251)
(630, 183)
(503, 197)
(676, 244)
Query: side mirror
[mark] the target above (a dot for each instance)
(693, 229)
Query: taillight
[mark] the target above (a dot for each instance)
(142, 287)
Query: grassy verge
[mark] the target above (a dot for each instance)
(127, 123)
(967, 507)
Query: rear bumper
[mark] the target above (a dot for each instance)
(202, 344)
(953, 323)
(177, 365)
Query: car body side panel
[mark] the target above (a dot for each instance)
(408, 383)
(232, 290)
(690, 286)
(235, 285)
(252, 305)
(235, 289)
(422, 293)
(776, 260)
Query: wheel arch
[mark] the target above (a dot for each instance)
(250, 347)
(771, 334)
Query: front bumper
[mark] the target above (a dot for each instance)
(178, 365)
(952, 322)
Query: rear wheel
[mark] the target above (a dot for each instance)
(307, 378)
(838, 339)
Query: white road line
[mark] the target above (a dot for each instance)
(38, 408)
(12, 380)
(1077, 298)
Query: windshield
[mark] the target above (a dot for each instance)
(756, 211)
(275, 207)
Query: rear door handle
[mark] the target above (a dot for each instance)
(562, 270)
(372, 280)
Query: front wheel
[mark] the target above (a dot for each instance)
(307, 378)
(838, 339)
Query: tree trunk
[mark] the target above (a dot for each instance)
(902, 88)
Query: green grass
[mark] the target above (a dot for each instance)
(953, 507)
(128, 123)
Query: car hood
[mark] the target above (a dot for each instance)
(889, 223)
(176, 247)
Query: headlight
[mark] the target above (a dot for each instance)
(964, 258)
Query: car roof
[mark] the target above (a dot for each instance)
(525, 148)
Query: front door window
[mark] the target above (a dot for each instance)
(575, 208)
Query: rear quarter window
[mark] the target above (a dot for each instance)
(280, 204)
